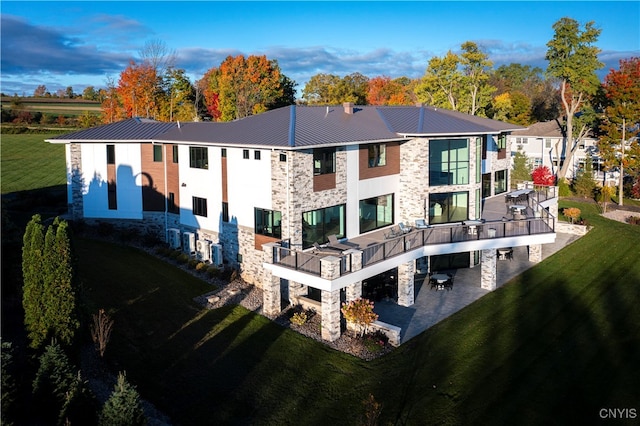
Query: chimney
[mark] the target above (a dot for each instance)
(419, 104)
(348, 107)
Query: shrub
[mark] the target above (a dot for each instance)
(175, 254)
(150, 239)
(299, 318)
(163, 251)
(564, 190)
(572, 213)
(633, 220)
(360, 312)
(182, 258)
(201, 267)
(192, 263)
(375, 342)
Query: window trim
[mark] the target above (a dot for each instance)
(175, 154)
(245, 154)
(379, 223)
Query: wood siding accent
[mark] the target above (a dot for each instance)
(223, 171)
(153, 197)
(324, 182)
(259, 240)
(173, 178)
(391, 168)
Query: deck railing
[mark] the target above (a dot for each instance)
(310, 262)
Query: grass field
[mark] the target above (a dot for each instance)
(28, 162)
(67, 107)
(554, 345)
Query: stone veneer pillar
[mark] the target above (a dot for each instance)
(270, 284)
(354, 290)
(406, 274)
(488, 270)
(330, 270)
(77, 181)
(535, 253)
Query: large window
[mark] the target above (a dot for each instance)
(198, 157)
(448, 162)
(317, 225)
(377, 155)
(500, 182)
(376, 212)
(200, 206)
(268, 222)
(324, 161)
(448, 207)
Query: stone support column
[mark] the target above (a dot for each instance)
(271, 284)
(535, 253)
(489, 269)
(406, 273)
(331, 315)
(354, 290)
(77, 182)
(330, 270)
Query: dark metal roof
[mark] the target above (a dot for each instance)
(302, 126)
(550, 128)
(134, 129)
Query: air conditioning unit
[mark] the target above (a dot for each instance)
(216, 255)
(173, 238)
(203, 250)
(189, 242)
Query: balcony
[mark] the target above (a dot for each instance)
(375, 250)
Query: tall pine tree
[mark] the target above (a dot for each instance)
(33, 278)
(49, 293)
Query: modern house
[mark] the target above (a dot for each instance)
(543, 144)
(314, 203)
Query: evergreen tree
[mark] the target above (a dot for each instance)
(60, 302)
(123, 408)
(584, 184)
(8, 386)
(80, 406)
(53, 380)
(49, 293)
(521, 170)
(33, 261)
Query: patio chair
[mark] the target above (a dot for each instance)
(404, 228)
(421, 224)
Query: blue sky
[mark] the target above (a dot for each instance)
(77, 43)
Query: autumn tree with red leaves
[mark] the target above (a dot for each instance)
(541, 175)
(620, 125)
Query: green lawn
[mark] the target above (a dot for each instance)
(555, 345)
(28, 162)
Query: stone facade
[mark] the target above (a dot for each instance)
(535, 253)
(488, 269)
(331, 315)
(406, 274)
(76, 207)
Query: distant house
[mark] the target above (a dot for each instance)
(542, 143)
(307, 202)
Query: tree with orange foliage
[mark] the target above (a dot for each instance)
(137, 90)
(241, 87)
(384, 91)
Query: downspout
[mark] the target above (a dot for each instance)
(292, 143)
(166, 199)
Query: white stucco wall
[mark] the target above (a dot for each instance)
(128, 181)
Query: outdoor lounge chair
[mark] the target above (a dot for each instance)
(335, 244)
(404, 228)
(421, 224)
